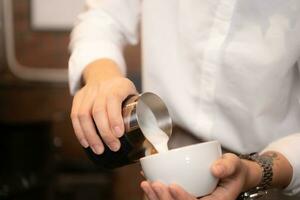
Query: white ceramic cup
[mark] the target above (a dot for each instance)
(189, 167)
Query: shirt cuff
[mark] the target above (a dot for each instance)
(290, 147)
(85, 54)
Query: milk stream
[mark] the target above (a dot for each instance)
(157, 137)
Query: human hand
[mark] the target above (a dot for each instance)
(159, 191)
(236, 175)
(100, 101)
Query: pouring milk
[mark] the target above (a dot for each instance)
(149, 126)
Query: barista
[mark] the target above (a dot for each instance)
(226, 69)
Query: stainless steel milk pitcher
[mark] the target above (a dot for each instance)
(133, 143)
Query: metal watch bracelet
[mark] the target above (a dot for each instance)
(266, 163)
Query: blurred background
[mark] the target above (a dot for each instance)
(40, 156)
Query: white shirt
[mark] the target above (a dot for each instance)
(227, 69)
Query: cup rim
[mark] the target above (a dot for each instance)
(179, 149)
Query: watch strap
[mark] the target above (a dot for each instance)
(266, 164)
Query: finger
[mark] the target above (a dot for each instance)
(75, 120)
(114, 105)
(161, 191)
(87, 123)
(142, 173)
(225, 192)
(114, 111)
(79, 132)
(226, 166)
(101, 121)
(89, 129)
(146, 187)
(179, 194)
(210, 197)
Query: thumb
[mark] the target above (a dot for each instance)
(226, 166)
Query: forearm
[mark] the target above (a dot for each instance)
(102, 31)
(282, 171)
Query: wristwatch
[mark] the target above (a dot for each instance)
(266, 163)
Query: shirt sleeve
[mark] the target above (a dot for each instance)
(101, 32)
(290, 147)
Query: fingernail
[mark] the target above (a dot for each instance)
(114, 146)
(97, 149)
(84, 143)
(118, 131)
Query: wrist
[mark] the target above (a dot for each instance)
(100, 70)
(259, 176)
(270, 169)
(253, 174)
(282, 169)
